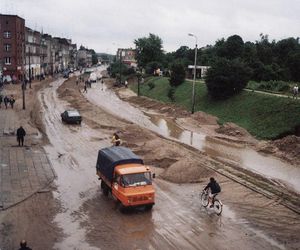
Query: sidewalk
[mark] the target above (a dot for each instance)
(23, 170)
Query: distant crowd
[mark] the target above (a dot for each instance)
(8, 101)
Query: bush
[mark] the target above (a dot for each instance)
(275, 86)
(171, 94)
(151, 85)
(226, 78)
(177, 74)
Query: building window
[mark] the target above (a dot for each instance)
(7, 47)
(7, 34)
(7, 60)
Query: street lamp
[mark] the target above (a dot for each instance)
(194, 81)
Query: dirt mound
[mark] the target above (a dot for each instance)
(232, 129)
(290, 144)
(185, 171)
(287, 148)
(204, 118)
(164, 108)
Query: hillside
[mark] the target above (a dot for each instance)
(264, 116)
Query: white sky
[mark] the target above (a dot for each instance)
(107, 25)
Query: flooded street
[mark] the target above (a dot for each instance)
(238, 155)
(89, 220)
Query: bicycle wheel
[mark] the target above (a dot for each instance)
(218, 206)
(204, 199)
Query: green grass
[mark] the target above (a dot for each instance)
(264, 116)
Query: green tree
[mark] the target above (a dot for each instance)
(226, 78)
(177, 74)
(94, 56)
(148, 49)
(293, 63)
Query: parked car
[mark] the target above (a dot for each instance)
(71, 116)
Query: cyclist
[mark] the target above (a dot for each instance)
(215, 189)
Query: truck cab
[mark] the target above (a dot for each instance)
(127, 178)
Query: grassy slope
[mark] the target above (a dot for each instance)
(263, 116)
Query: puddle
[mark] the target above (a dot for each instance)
(244, 157)
(169, 128)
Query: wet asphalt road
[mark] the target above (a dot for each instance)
(90, 221)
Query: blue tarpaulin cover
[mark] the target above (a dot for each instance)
(109, 158)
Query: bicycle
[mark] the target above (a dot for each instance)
(218, 205)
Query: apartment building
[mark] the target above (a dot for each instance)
(84, 57)
(127, 56)
(12, 46)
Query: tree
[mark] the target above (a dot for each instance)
(177, 74)
(148, 49)
(293, 63)
(94, 56)
(234, 47)
(226, 78)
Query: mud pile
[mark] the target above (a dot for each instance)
(232, 129)
(205, 119)
(287, 148)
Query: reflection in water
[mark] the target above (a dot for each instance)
(230, 153)
(169, 128)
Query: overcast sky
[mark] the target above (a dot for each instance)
(107, 25)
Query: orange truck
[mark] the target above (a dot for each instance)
(124, 175)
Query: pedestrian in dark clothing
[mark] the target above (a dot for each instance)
(23, 245)
(215, 189)
(6, 100)
(20, 135)
(12, 101)
(1, 99)
(116, 139)
(85, 88)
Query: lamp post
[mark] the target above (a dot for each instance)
(195, 69)
(24, 73)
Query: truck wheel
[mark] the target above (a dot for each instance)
(105, 189)
(149, 207)
(121, 207)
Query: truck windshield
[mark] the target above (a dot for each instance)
(139, 179)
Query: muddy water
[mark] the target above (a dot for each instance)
(90, 221)
(282, 173)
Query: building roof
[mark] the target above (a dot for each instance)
(7, 15)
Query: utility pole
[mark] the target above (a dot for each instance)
(29, 67)
(139, 77)
(24, 74)
(195, 71)
(120, 66)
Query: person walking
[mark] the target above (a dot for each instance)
(23, 245)
(85, 88)
(1, 100)
(295, 92)
(6, 100)
(20, 135)
(12, 101)
(102, 83)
